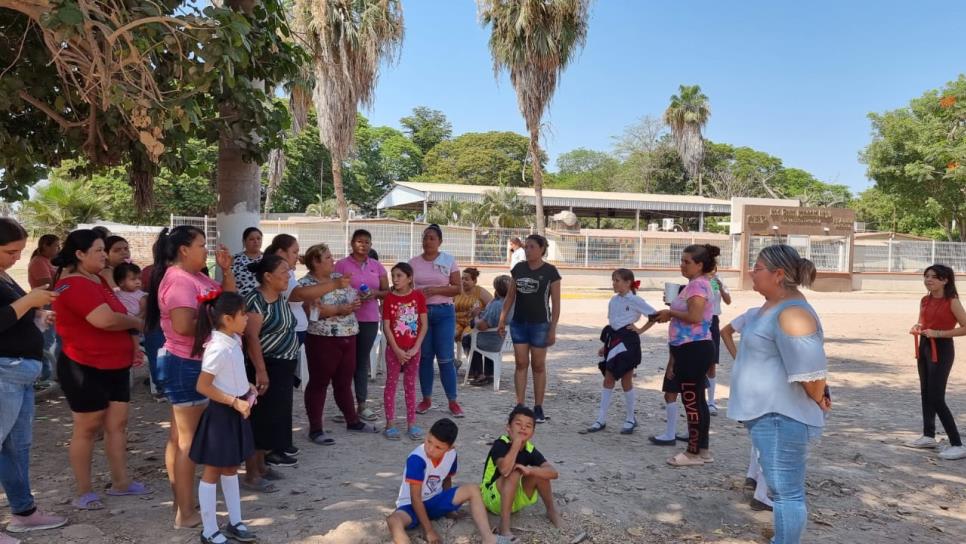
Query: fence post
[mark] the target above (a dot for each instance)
(345, 244)
(889, 264)
(932, 259)
(412, 239)
(171, 222)
(586, 251)
(473, 244)
(640, 249)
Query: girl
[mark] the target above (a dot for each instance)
(940, 311)
(224, 436)
(404, 313)
(718, 294)
(622, 346)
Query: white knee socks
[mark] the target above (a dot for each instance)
(629, 398)
(229, 488)
(672, 421)
(207, 499)
(711, 392)
(605, 395)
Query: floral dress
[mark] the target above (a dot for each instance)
(336, 325)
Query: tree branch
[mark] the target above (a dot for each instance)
(56, 117)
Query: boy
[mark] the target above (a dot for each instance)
(516, 472)
(427, 491)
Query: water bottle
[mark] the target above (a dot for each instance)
(364, 290)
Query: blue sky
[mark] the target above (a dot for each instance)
(794, 79)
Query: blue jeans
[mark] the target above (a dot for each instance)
(154, 341)
(782, 444)
(439, 345)
(17, 378)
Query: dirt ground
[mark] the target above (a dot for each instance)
(862, 485)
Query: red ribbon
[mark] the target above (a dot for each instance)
(209, 296)
(637, 284)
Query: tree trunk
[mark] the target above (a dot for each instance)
(339, 191)
(537, 179)
(239, 189)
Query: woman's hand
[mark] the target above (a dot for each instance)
(825, 404)
(916, 329)
(223, 258)
(663, 316)
(552, 336)
(501, 328)
(261, 381)
(931, 333)
(40, 297)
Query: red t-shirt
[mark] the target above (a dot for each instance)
(83, 342)
(40, 272)
(402, 312)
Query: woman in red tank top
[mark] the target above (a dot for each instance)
(941, 318)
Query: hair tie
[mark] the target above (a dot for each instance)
(209, 296)
(637, 284)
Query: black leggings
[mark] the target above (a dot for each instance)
(364, 340)
(272, 414)
(691, 363)
(932, 386)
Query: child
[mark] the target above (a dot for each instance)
(754, 477)
(224, 438)
(622, 346)
(718, 293)
(127, 277)
(404, 323)
(427, 491)
(516, 472)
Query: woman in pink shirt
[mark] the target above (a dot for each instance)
(176, 284)
(436, 274)
(362, 270)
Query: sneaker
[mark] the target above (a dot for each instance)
(37, 521)
(276, 459)
(951, 453)
(923, 442)
(538, 414)
(291, 451)
(424, 406)
(454, 408)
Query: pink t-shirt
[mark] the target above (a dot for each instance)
(680, 332)
(433, 274)
(368, 273)
(179, 289)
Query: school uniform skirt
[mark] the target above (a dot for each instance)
(223, 439)
(622, 351)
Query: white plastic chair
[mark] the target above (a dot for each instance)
(377, 357)
(495, 356)
(303, 368)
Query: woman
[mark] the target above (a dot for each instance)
(778, 383)
(21, 350)
(691, 351)
(534, 297)
(176, 283)
(245, 280)
(469, 304)
(363, 270)
(941, 318)
(273, 352)
(330, 346)
(40, 272)
(436, 274)
(117, 251)
(99, 346)
(487, 338)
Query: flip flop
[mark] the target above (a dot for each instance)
(392, 433)
(368, 415)
(682, 460)
(88, 501)
(322, 439)
(134, 489)
(415, 433)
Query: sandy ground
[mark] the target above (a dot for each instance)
(862, 485)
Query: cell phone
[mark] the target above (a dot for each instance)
(62, 288)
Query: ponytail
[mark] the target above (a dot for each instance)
(212, 308)
(798, 271)
(165, 253)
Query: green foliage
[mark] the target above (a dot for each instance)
(306, 163)
(586, 170)
(884, 212)
(481, 158)
(426, 127)
(918, 153)
(686, 116)
(326, 207)
(500, 207)
(61, 204)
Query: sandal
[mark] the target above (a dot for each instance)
(88, 501)
(263, 486)
(321, 438)
(368, 415)
(134, 489)
(594, 428)
(392, 433)
(684, 460)
(415, 433)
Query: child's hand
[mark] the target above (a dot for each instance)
(432, 537)
(242, 406)
(601, 351)
(401, 355)
(411, 352)
(525, 470)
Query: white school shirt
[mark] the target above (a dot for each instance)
(626, 309)
(518, 256)
(420, 469)
(301, 320)
(225, 360)
(717, 287)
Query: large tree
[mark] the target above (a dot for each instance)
(426, 127)
(918, 155)
(586, 170)
(534, 40)
(481, 158)
(686, 115)
(348, 40)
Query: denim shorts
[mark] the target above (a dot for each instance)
(178, 379)
(534, 334)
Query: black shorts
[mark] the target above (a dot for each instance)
(90, 389)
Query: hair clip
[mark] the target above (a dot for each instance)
(637, 284)
(209, 296)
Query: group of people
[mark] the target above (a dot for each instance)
(224, 353)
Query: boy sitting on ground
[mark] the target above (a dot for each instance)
(516, 472)
(427, 491)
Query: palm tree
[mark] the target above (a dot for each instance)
(502, 207)
(348, 40)
(60, 205)
(686, 116)
(534, 40)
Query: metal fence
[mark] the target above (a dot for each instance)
(400, 241)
